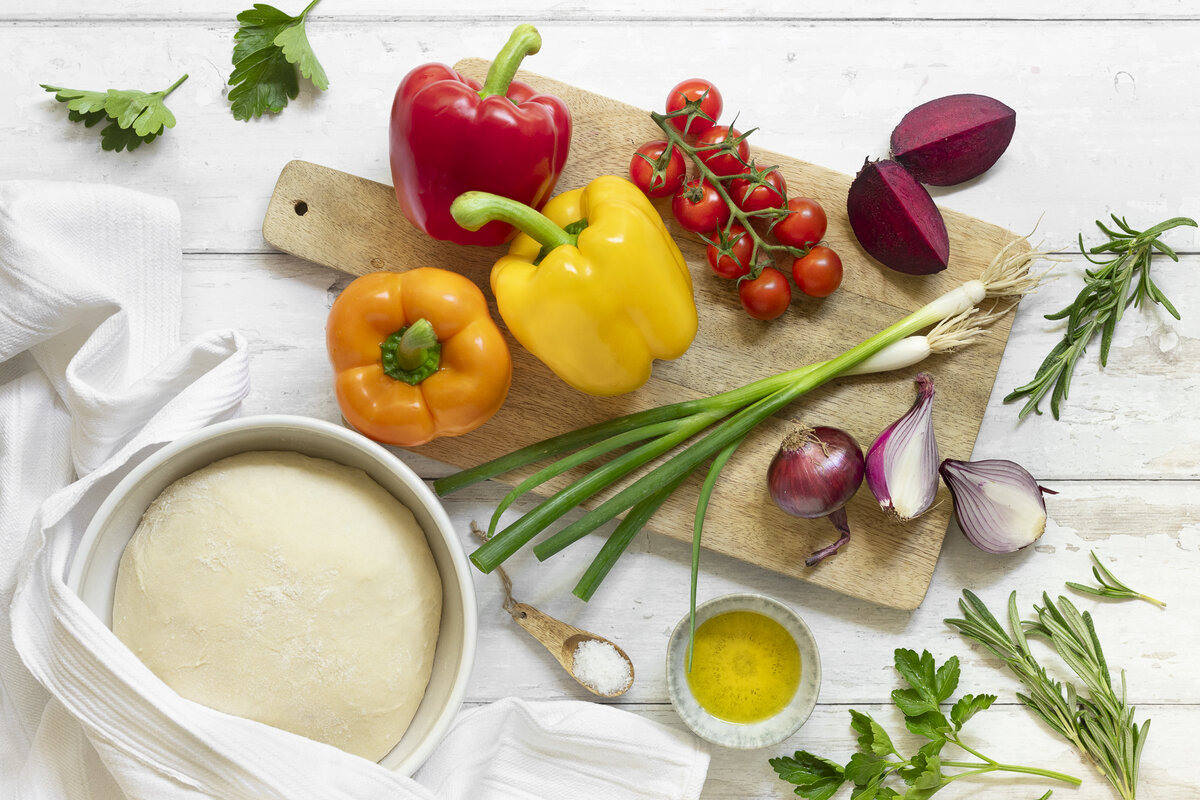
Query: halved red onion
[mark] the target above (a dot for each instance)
(902, 462)
(997, 503)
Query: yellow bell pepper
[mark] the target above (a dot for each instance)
(594, 286)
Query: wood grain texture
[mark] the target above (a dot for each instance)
(354, 225)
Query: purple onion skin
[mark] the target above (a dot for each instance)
(876, 458)
(815, 472)
(986, 524)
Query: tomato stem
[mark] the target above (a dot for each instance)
(736, 215)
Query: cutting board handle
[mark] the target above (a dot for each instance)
(355, 225)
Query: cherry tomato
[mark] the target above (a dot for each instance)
(670, 177)
(722, 161)
(751, 196)
(735, 261)
(767, 296)
(818, 272)
(699, 207)
(703, 96)
(804, 226)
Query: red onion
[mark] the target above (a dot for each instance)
(902, 462)
(814, 475)
(997, 503)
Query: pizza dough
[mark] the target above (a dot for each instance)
(287, 589)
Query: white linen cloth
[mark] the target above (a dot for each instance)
(92, 380)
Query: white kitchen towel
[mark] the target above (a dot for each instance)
(520, 750)
(92, 380)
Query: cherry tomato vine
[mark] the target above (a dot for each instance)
(728, 195)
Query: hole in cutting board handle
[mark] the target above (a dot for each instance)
(301, 208)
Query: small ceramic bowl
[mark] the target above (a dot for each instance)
(747, 736)
(93, 573)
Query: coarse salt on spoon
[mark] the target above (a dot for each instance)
(594, 662)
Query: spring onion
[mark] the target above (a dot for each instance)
(725, 419)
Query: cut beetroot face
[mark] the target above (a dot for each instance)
(953, 139)
(896, 220)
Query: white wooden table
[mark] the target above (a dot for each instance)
(1107, 121)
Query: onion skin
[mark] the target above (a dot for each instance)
(815, 472)
(997, 503)
(893, 463)
(813, 475)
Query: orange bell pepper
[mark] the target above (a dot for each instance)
(416, 356)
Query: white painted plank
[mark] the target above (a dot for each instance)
(1100, 122)
(1137, 416)
(754, 12)
(1101, 128)
(1134, 419)
(1006, 733)
(1150, 528)
(647, 595)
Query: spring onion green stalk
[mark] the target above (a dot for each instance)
(726, 418)
(710, 481)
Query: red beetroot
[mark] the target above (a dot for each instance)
(953, 139)
(896, 220)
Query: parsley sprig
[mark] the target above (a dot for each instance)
(1111, 586)
(878, 759)
(133, 116)
(1100, 724)
(271, 49)
(1108, 290)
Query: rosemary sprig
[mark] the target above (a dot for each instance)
(1108, 290)
(1101, 724)
(1111, 585)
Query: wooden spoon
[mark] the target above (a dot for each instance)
(561, 640)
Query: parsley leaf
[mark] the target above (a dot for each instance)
(968, 706)
(133, 117)
(865, 768)
(924, 770)
(878, 761)
(929, 687)
(872, 738)
(270, 48)
(931, 725)
(815, 778)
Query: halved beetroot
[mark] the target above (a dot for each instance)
(896, 220)
(953, 139)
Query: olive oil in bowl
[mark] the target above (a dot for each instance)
(755, 675)
(746, 667)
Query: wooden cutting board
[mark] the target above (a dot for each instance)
(355, 225)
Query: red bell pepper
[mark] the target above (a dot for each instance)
(449, 136)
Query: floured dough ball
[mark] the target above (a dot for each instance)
(287, 589)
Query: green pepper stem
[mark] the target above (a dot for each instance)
(525, 41)
(415, 344)
(473, 210)
(412, 353)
